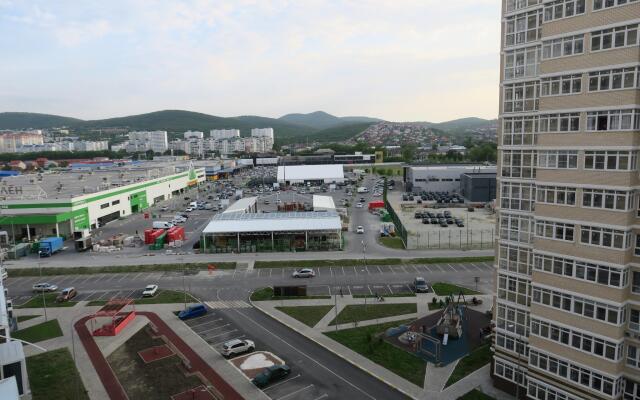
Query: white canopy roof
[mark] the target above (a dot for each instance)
(242, 205)
(323, 203)
(310, 172)
(273, 222)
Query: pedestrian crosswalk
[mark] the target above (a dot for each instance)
(228, 304)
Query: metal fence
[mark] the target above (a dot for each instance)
(451, 238)
(401, 231)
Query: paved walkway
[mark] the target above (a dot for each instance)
(435, 378)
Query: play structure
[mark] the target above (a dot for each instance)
(450, 323)
(118, 312)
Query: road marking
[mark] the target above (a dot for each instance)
(282, 382)
(415, 269)
(449, 265)
(211, 329)
(136, 277)
(343, 273)
(224, 333)
(296, 392)
(228, 304)
(392, 270)
(390, 291)
(123, 276)
(225, 341)
(355, 270)
(478, 268)
(370, 292)
(379, 270)
(348, 287)
(404, 269)
(324, 396)
(204, 323)
(440, 268)
(270, 271)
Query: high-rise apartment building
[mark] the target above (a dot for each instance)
(218, 134)
(567, 309)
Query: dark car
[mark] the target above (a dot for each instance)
(426, 220)
(271, 374)
(420, 285)
(192, 312)
(444, 224)
(434, 221)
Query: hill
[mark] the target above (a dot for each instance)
(323, 120)
(23, 120)
(464, 124)
(335, 134)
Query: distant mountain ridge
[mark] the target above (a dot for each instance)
(323, 120)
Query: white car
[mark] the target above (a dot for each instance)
(237, 346)
(303, 273)
(150, 291)
(165, 208)
(189, 209)
(360, 229)
(178, 219)
(359, 205)
(44, 287)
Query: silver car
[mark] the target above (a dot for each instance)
(237, 346)
(44, 287)
(304, 273)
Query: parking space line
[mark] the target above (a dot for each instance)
(296, 392)
(196, 318)
(343, 273)
(414, 268)
(408, 287)
(101, 296)
(404, 269)
(225, 341)
(478, 268)
(224, 333)
(123, 276)
(204, 323)
(440, 268)
(270, 271)
(379, 270)
(323, 396)
(282, 382)
(355, 270)
(370, 292)
(132, 292)
(211, 329)
(392, 270)
(449, 265)
(137, 275)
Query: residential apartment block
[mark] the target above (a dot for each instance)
(567, 309)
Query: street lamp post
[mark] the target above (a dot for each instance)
(364, 261)
(73, 353)
(44, 301)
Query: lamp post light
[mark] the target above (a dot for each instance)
(364, 261)
(44, 301)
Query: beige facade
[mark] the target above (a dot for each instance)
(567, 309)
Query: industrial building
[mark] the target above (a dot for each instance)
(441, 178)
(64, 203)
(314, 174)
(478, 187)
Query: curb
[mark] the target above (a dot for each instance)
(383, 380)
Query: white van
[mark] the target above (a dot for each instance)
(362, 189)
(162, 225)
(193, 204)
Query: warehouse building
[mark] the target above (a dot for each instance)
(68, 203)
(313, 174)
(441, 178)
(241, 232)
(478, 187)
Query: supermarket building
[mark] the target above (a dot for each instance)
(67, 203)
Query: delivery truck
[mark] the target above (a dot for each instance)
(51, 245)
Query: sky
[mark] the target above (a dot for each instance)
(400, 60)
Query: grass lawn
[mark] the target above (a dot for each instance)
(194, 267)
(362, 340)
(26, 317)
(392, 242)
(49, 298)
(308, 315)
(267, 294)
(163, 297)
(373, 261)
(475, 394)
(39, 332)
(368, 296)
(445, 289)
(360, 312)
(53, 375)
(478, 358)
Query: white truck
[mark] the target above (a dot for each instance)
(362, 189)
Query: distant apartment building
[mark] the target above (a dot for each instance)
(217, 134)
(10, 141)
(193, 135)
(262, 132)
(140, 141)
(567, 310)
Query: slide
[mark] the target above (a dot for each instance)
(445, 340)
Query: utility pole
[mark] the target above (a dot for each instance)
(364, 261)
(44, 301)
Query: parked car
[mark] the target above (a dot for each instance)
(164, 208)
(67, 294)
(189, 209)
(150, 291)
(303, 273)
(360, 229)
(359, 205)
(271, 374)
(237, 346)
(420, 285)
(44, 287)
(192, 311)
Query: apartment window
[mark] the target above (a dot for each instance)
(558, 159)
(610, 160)
(514, 258)
(518, 164)
(613, 79)
(614, 37)
(517, 196)
(634, 320)
(560, 195)
(563, 47)
(523, 28)
(607, 199)
(516, 228)
(635, 278)
(512, 319)
(602, 4)
(105, 205)
(577, 305)
(605, 237)
(508, 371)
(563, 9)
(513, 5)
(522, 63)
(512, 344)
(610, 276)
(575, 373)
(517, 131)
(513, 289)
(579, 340)
(554, 230)
(521, 97)
(633, 356)
(552, 123)
(561, 85)
(613, 120)
(542, 391)
(115, 202)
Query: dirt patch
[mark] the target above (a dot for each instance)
(197, 393)
(252, 364)
(155, 353)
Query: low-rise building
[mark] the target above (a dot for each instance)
(440, 178)
(314, 174)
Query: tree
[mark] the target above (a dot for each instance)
(149, 153)
(483, 152)
(408, 152)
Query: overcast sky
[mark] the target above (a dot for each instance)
(401, 60)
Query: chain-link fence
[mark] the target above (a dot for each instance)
(451, 238)
(401, 231)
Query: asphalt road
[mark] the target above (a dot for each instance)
(318, 373)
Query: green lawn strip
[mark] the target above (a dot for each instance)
(163, 297)
(478, 358)
(308, 315)
(360, 312)
(475, 394)
(53, 375)
(267, 294)
(373, 261)
(445, 289)
(39, 332)
(50, 300)
(392, 242)
(22, 318)
(362, 340)
(368, 296)
(116, 269)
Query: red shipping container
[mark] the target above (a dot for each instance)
(376, 204)
(147, 236)
(175, 233)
